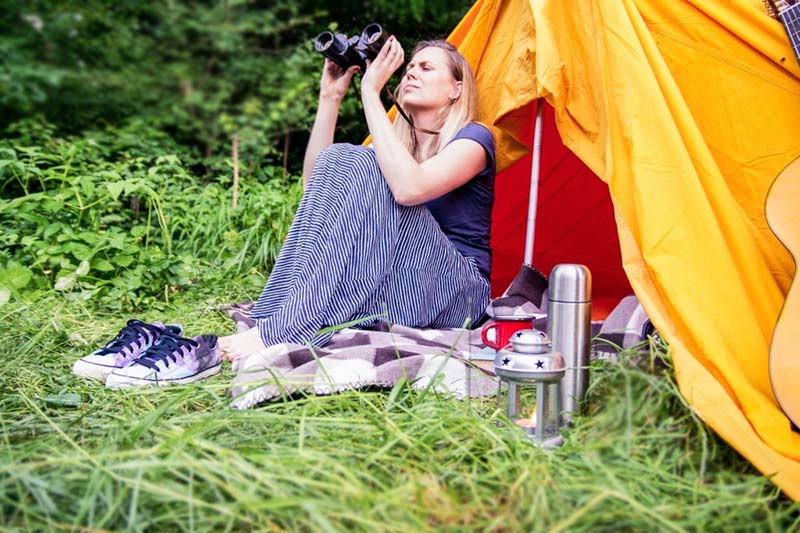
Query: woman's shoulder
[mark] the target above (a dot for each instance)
(476, 128)
(478, 132)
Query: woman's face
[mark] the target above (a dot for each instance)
(427, 82)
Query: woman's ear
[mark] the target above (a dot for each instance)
(456, 92)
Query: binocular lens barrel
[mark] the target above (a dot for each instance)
(334, 47)
(328, 42)
(355, 50)
(323, 41)
(373, 34)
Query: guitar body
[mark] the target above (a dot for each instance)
(783, 217)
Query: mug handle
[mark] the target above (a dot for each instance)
(486, 329)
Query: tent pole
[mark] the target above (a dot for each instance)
(534, 194)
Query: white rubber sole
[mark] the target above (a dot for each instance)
(117, 381)
(92, 370)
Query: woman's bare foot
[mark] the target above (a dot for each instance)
(242, 344)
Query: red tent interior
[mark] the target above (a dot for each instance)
(574, 221)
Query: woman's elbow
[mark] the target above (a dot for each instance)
(410, 190)
(408, 198)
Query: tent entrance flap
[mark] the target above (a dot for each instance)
(574, 218)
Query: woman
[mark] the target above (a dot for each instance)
(400, 229)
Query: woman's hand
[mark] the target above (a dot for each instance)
(335, 81)
(332, 88)
(388, 60)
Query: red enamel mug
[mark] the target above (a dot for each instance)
(497, 333)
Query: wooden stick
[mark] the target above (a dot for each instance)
(285, 152)
(235, 141)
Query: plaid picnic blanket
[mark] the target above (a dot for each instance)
(438, 358)
(356, 358)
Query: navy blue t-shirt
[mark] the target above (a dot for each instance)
(465, 214)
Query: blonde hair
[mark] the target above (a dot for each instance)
(453, 116)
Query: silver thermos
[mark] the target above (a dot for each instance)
(569, 323)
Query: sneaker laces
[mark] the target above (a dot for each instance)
(132, 333)
(169, 348)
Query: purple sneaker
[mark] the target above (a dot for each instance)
(130, 343)
(174, 359)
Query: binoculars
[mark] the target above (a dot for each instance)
(348, 51)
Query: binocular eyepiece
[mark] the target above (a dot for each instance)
(348, 51)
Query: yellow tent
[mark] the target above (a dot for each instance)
(687, 110)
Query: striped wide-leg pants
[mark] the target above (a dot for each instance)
(353, 253)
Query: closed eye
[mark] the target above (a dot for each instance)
(423, 66)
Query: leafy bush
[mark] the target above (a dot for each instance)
(96, 220)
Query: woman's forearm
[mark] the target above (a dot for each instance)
(321, 134)
(402, 173)
(414, 183)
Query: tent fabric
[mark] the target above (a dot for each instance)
(686, 111)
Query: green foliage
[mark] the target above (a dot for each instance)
(197, 71)
(96, 220)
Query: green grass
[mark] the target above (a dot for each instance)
(76, 456)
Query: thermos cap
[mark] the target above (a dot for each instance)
(570, 283)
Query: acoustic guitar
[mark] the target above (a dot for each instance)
(783, 216)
